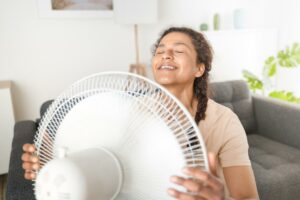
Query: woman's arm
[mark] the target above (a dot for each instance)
(240, 182)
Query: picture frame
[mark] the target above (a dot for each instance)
(75, 8)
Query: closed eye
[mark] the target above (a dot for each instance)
(159, 52)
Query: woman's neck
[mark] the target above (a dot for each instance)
(186, 97)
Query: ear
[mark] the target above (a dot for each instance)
(200, 70)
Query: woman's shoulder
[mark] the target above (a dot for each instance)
(216, 111)
(218, 118)
(222, 129)
(222, 120)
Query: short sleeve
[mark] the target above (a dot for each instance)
(234, 150)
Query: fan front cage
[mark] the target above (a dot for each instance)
(148, 96)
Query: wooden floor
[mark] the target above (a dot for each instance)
(3, 179)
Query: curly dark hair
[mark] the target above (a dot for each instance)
(204, 56)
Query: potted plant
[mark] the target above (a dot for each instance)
(287, 58)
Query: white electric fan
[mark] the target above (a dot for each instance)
(115, 135)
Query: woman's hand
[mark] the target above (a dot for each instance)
(201, 185)
(30, 161)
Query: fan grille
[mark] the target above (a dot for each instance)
(147, 96)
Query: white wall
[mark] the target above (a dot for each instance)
(289, 25)
(44, 56)
(267, 26)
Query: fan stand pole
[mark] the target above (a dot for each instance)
(137, 67)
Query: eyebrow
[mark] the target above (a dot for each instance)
(176, 44)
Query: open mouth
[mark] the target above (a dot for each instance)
(167, 67)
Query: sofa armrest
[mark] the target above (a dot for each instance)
(278, 120)
(17, 187)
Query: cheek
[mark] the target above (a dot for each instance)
(192, 62)
(188, 64)
(153, 63)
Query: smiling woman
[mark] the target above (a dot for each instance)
(167, 70)
(190, 55)
(181, 63)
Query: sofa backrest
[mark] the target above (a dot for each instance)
(233, 94)
(236, 96)
(45, 106)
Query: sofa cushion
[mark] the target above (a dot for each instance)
(236, 96)
(275, 166)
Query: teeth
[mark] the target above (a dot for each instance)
(167, 67)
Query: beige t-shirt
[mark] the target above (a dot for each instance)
(224, 136)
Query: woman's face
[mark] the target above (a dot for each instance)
(175, 61)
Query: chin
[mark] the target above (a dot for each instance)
(164, 81)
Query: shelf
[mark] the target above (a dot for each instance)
(240, 31)
(7, 121)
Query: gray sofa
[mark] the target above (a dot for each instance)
(272, 127)
(273, 132)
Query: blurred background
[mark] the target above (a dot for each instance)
(43, 55)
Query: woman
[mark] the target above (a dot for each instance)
(181, 62)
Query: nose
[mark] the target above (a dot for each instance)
(167, 55)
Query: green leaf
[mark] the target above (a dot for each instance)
(270, 60)
(285, 96)
(270, 67)
(290, 57)
(253, 81)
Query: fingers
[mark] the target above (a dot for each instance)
(29, 166)
(30, 175)
(183, 196)
(189, 184)
(203, 195)
(29, 157)
(30, 148)
(200, 184)
(30, 161)
(204, 177)
(195, 188)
